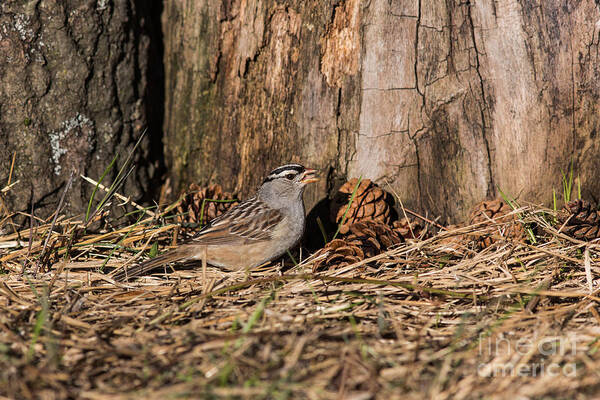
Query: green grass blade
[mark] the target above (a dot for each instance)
(40, 321)
(322, 229)
(567, 183)
(106, 171)
(121, 176)
(257, 313)
(41, 318)
(130, 155)
(570, 178)
(292, 257)
(513, 204)
(348, 207)
(202, 213)
(153, 250)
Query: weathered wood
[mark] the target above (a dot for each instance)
(445, 100)
(244, 91)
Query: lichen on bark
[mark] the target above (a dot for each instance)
(72, 84)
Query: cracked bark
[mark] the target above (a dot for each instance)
(225, 126)
(73, 93)
(446, 100)
(483, 107)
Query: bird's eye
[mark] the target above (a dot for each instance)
(290, 176)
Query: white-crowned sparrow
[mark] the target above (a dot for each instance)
(258, 230)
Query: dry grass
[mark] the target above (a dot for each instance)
(428, 319)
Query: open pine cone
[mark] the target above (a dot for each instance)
(202, 204)
(581, 220)
(497, 210)
(363, 240)
(370, 203)
(411, 228)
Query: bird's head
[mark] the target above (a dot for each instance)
(286, 183)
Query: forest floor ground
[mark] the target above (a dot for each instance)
(431, 318)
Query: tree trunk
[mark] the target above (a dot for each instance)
(73, 84)
(448, 101)
(244, 92)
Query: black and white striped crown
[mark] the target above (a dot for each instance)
(288, 171)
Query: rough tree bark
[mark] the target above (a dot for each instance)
(244, 91)
(73, 93)
(446, 100)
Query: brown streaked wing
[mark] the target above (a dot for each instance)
(250, 221)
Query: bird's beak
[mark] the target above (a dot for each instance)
(310, 175)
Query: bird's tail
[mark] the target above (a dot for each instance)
(147, 266)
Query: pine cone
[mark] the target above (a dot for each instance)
(370, 203)
(364, 239)
(581, 220)
(202, 204)
(497, 210)
(342, 253)
(411, 228)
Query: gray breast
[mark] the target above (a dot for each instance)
(289, 232)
